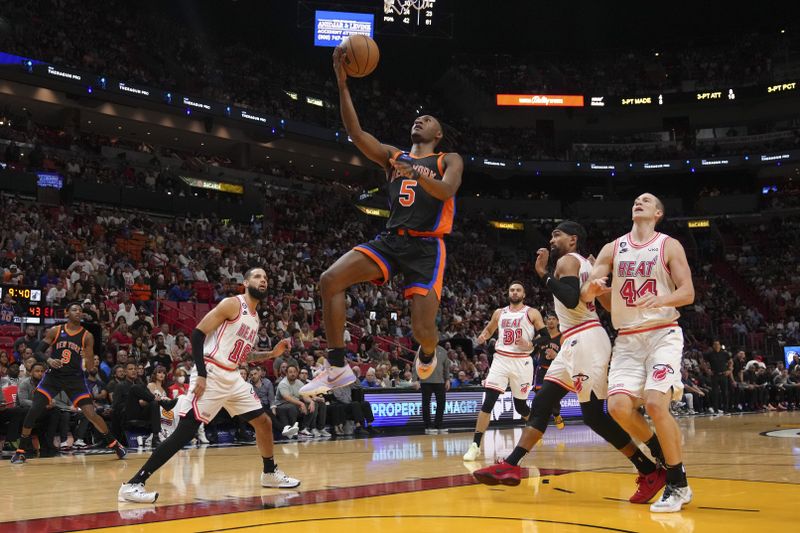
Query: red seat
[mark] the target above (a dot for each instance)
(7, 340)
(10, 330)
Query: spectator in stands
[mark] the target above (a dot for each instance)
(348, 404)
(180, 385)
(290, 406)
(181, 347)
(25, 400)
(31, 339)
(133, 402)
(142, 326)
(370, 380)
(128, 311)
(461, 381)
(285, 358)
(57, 294)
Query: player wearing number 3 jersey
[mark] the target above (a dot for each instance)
(220, 343)
(651, 279)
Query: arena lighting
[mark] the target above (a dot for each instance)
(373, 211)
(504, 224)
(540, 100)
(694, 224)
(232, 188)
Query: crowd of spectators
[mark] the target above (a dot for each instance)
(166, 53)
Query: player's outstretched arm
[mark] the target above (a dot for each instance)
(370, 146)
(262, 355)
(490, 328)
(596, 284)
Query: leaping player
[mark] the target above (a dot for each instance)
(581, 366)
(422, 185)
(512, 365)
(220, 343)
(651, 279)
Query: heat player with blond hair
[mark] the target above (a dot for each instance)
(650, 280)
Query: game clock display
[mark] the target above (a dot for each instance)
(28, 305)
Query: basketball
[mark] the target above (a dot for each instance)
(361, 55)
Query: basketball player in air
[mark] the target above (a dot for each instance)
(581, 366)
(512, 364)
(220, 343)
(422, 184)
(651, 279)
(72, 354)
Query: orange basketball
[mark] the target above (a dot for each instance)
(361, 55)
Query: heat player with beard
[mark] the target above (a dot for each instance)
(581, 366)
(512, 366)
(221, 342)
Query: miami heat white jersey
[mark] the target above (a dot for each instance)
(231, 343)
(511, 326)
(640, 269)
(569, 318)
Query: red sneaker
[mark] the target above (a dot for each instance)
(649, 486)
(502, 472)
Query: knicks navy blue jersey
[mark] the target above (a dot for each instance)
(411, 207)
(540, 359)
(68, 347)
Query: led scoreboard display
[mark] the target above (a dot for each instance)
(424, 18)
(28, 305)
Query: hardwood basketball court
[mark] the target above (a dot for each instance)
(744, 470)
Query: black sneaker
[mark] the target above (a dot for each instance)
(19, 457)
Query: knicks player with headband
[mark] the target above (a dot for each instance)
(517, 325)
(221, 342)
(421, 184)
(581, 366)
(650, 280)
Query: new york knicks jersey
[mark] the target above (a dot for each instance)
(231, 343)
(68, 347)
(511, 326)
(585, 312)
(411, 207)
(640, 269)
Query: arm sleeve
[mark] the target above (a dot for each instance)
(566, 289)
(198, 340)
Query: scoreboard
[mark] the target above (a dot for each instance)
(29, 305)
(423, 18)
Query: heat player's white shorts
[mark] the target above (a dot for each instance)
(224, 389)
(516, 372)
(648, 360)
(581, 365)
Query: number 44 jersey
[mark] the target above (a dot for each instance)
(638, 270)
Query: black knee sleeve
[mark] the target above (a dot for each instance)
(40, 403)
(602, 423)
(489, 399)
(521, 406)
(543, 403)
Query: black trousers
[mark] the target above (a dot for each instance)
(358, 412)
(720, 391)
(11, 422)
(429, 389)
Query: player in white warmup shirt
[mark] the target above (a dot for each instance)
(651, 278)
(581, 366)
(517, 325)
(220, 343)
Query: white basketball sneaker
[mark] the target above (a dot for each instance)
(135, 493)
(472, 453)
(278, 480)
(672, 500)
(333, 377)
